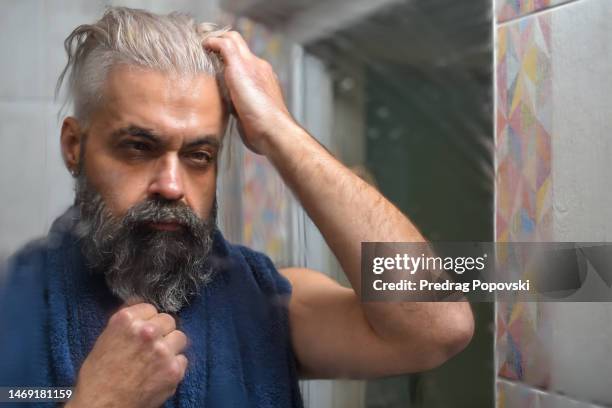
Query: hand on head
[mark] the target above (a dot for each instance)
(254, 90)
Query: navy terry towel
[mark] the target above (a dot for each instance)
(52, 310)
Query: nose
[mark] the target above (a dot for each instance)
(166, 182)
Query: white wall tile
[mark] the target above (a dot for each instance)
(139, 4)
(580, 350)
(202, 10)
(22, 181)
(59, 193)
(581, 142)
(60, 18)
(582, 187)
(548, 400)
(21, 47)
(207, 10)
(517, 395)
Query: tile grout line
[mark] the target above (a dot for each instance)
(537, 12)
(547, 392)
(494, 37)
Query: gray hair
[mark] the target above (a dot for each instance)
(168, 43)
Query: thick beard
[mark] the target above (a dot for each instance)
(164, 268)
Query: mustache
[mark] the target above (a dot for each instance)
(162, 211)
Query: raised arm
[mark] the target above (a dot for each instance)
(334, 334)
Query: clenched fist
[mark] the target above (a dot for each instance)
(136, 361)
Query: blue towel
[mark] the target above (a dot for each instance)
(52, 309)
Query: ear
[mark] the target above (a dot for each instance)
(71, 144)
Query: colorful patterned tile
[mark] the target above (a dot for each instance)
(523, 185)
(523, 145)
(264, 199)
(511, 9)
(524, 334)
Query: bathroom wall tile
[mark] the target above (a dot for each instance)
(581, 347)
(140, 4)
(59, 193)
(60, 18)
(523, 343)
(201, 10)
(268, 212)
(550, 400)
(509, 9)
(523, 125)
(523, 183)
(582, 147)
(22, 162)
(22, 44)
(552, 103)
(512, 395)
(517, 395)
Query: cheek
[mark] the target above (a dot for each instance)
(200, 193)
(120, 188)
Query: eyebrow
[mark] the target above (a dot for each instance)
(210, 140)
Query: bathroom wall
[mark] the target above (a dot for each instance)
(35, 185)
(553, 145)
(258, 210)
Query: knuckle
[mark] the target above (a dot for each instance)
(146, 332)
(121, 318)
(265, 64)
(134, 329)
(150, 308)
(160, 350)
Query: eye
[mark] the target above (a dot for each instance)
(135, 146)
(140, 146)
(200, 157)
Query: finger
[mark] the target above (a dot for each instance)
(182, 362)
(224, 46)
(176, 341)
(143, 311)
(241, 45)
(164, 322)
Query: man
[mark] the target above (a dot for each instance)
(136, 299)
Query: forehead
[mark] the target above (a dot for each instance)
(164, 101)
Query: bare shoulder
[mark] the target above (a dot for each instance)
(296, 274)
(306, 282)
